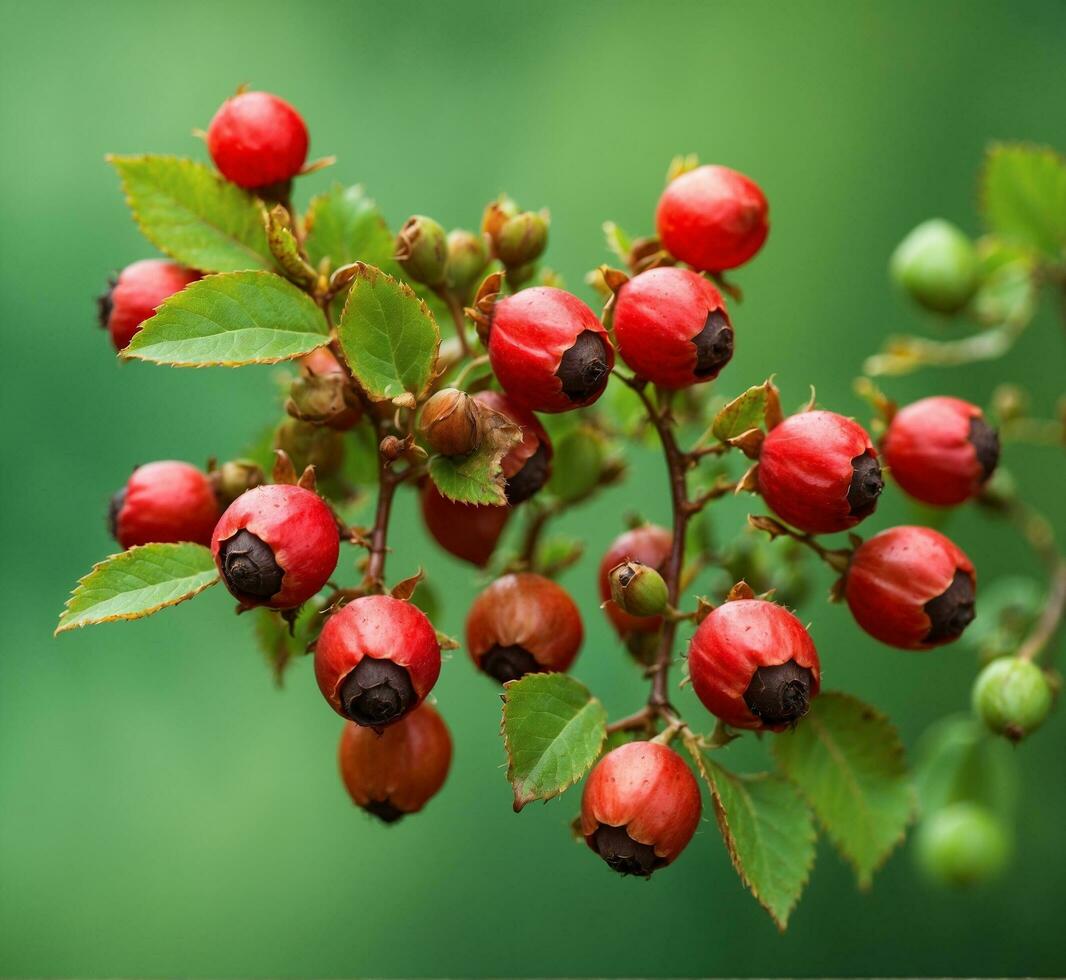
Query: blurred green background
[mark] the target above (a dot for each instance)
(163, 808)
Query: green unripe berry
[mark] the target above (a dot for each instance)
(937, 264)
(422, 250)
(468, 257)
(963, 845)
(1012, 697)
(522, 239)
(310, 445)
(638, 589)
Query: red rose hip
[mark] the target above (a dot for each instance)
(640, 807)
(712, 218)
(548, 350)
(164, 502)
(672, 327)
(523, 624)
(397, 771)
(818, 471)
(276, 546)
(467, 531)
(754, 665)
(941, 450)
(257, 139)
(911, 587)
(528, 466)
(376, 659)
(650, 545)
(136, 293)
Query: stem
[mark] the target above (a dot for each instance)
(1050, 620)
(388, 482)
(455, 308)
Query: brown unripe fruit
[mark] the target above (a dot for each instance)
(450, 423)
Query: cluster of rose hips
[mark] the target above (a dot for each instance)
(752, 663)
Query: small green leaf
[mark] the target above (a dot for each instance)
(139, 582)
(389, 336)
(847, 760)
(768, 831)
(345, 226)
(1008, 295)
(192, 214)
(232, 319)
(552, 729)
(478, 477)
(618, 242)
(1023, 194)
(741, 414)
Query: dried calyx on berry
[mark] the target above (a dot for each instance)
(397, 771)
(422, 250)
(276, 546)
(941, 450)
(376, 659)
(638, 589)
(640, 807)
(324, 399)
(523, 624)
(450, 423)
(911, 587)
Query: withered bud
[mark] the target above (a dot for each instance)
(392, 448)
(324, 399)
(468, 256)
(522, 239)
(638, 589)
(422, 250)
(234, 477)
(451, 423)
(496, 215)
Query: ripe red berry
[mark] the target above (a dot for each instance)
(650, 545)
(754, 665)
(376, 659)
(528, 466)
(672, 327)
(164, 502)
(818, 471)
(276, 546)
(466, 531)
(257, 139)
(713, 218)
(911, 587)
(941, 450)
(640, 807)
(397, 771)
(548, 350)
(523, 624)
(133, 296)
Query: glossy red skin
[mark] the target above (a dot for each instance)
(406, 764)
(167, 501)
(466, 531)
(656, 316)
(530, 333)
(805, 470)
(529, 611)
(713, 218)
(928, 451)
(300, 529)
(257, 139)
(893, 575)
(734, 641)
(650, 545)
(140, 289)
(646, 788)
(533, 433)
(382, 627)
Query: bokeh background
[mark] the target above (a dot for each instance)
(163, 808)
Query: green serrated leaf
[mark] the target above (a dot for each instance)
(768, 831)
(847, 760)
(345, 226)
(552, 729)
(139, 582)
(468, 479)
(232, 319)
(389, 336)
(1023, 195)
(189, 212)
(741, 414)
